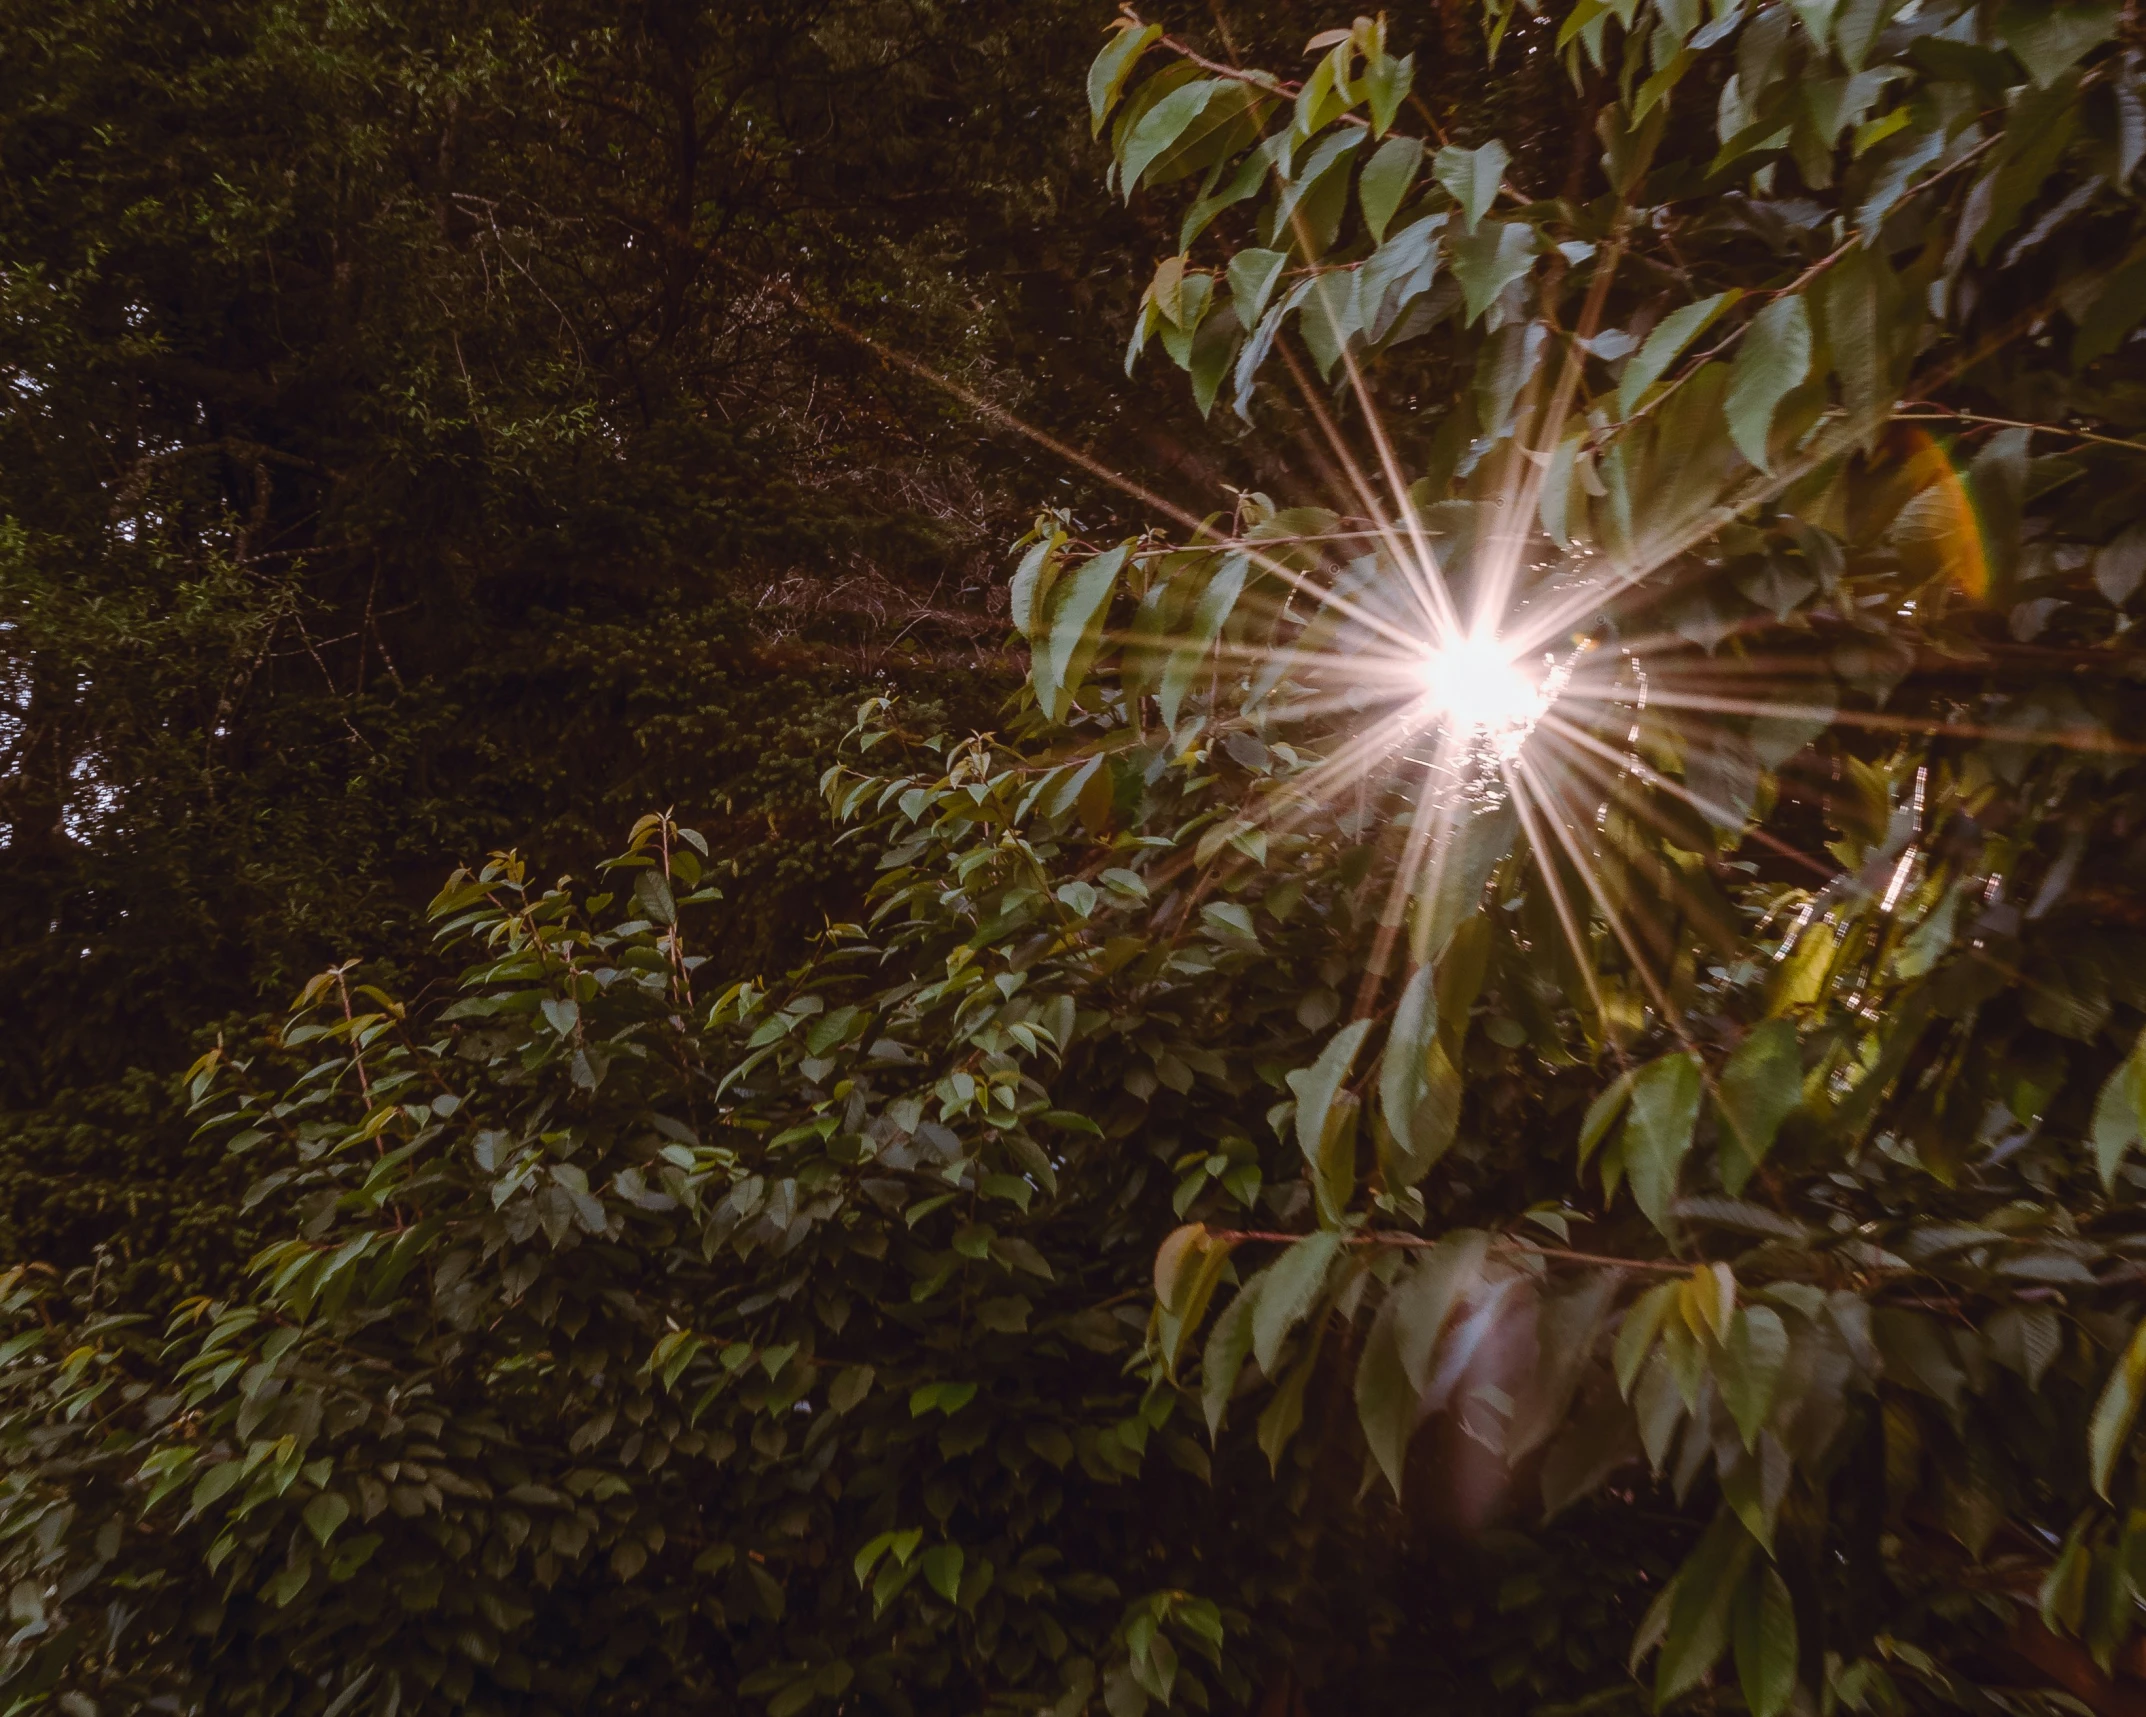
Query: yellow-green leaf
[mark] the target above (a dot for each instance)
(2117, 1410)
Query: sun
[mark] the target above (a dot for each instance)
(1476, 684)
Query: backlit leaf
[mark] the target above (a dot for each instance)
(2117, 1410)
(1760, 1087)
(1288, 1290)
(1665, 344)
(1773, 358)
(1657, 1134)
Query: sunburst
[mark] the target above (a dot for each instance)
(1506, 686)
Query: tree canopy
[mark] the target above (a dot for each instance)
(1524, 1072)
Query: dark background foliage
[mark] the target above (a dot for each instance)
(415, 446)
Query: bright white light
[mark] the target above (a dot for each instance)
(1475, 684)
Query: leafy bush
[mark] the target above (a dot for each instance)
(1589, 1006)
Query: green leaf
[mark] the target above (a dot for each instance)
(1288, 1289)
(1227, 1345)
(652, 897)
(214, 1485)
(1490, 259)
(1315, 1087)
(1106, 77)
(2115, 311)
(947, 1398)
(1279, 1419)
(2063, 1593)
(1658, 1129)
(1229, 121)
(1602, 1113)
(2038, 130)
(1386, 1406)
(1190, 1290)
(1748, 1369)
(1396, 1366)
(1472, 176)
(561, 1014)
(1163, 127)
(1177, 1263)
(1260, 346)
(1560, 507)
(1655, 92)
(1918, 1352)
(850, 1386)
(2120, 1113)
(1383, 185)
(1635, 1334)
(1327, 319)
(1216, 601)
(1213, 347)
(1928, 942)
(1466, 854)
(1699, 1614)
(1765, 1628)
(1252, 275)
(1396, 275)
(1032, 580)
(942, 1569)
(1817, 17)
(1334, 1174)
(1076, 606)
(1663, 346)
(1144, 324)
(324, 1514)
(2051, 39)
(1247, 180)
(1419, 1087)
(2117, 1410)
(1760, 1087)
(868, 1558)
(1773, 360)
(1007, 1314)
(1423, 1299)
(1386, 81)
(2120, 565)
(1629, 143)
(1507, 365)
(1313, 199)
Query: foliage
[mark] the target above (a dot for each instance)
(1689, 1129)
(401, 456)
(597, 1342)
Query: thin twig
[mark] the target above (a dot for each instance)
(1931, 411)
(350, 1027)
(1384, 1237)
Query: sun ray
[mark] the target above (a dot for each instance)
(1420, 570)
(1582, 953)
(1414, 664)
(1879, 721)
(992, 412)
(1649, 776)
(1614, 921)
(1426, 561)
(1430, 825)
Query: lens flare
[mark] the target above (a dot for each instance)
(1477, 685)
